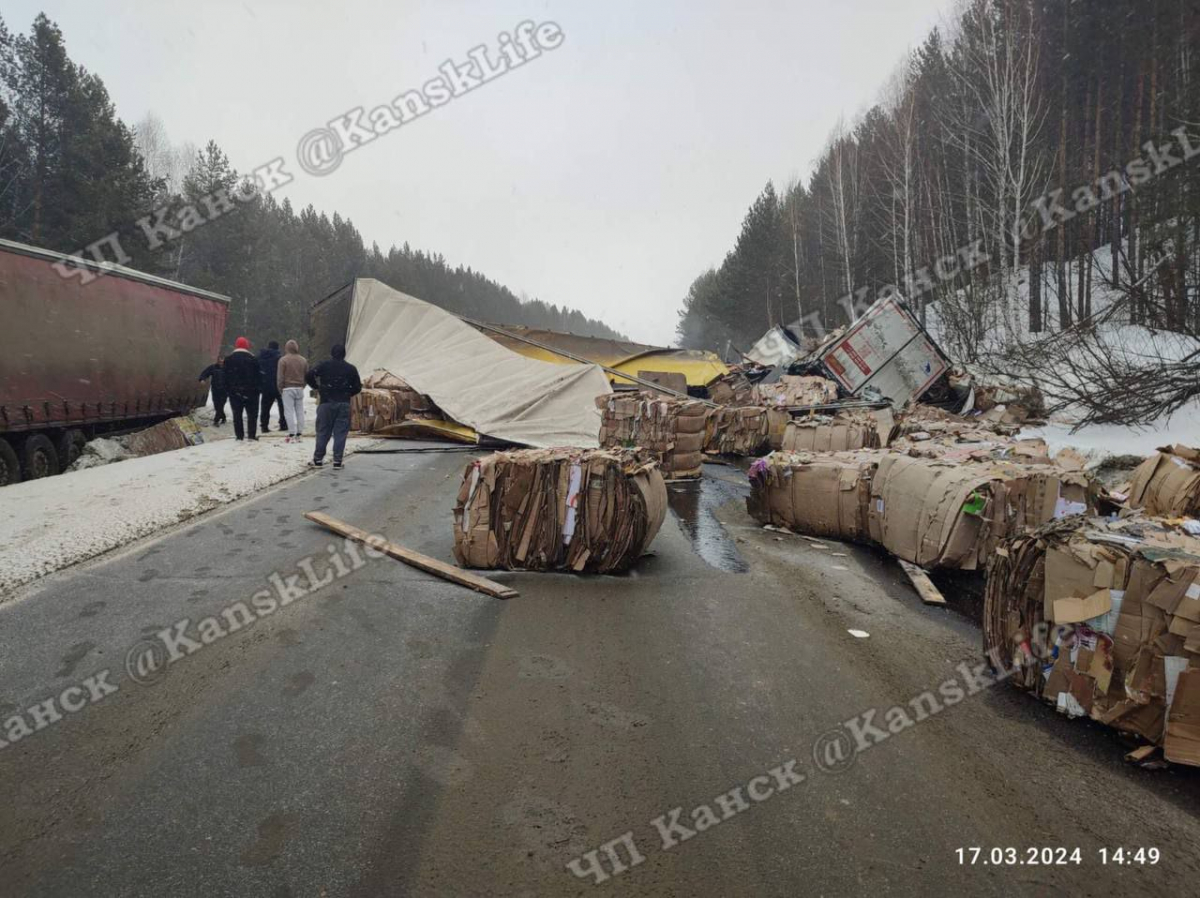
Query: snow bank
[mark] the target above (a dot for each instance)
(59, 521)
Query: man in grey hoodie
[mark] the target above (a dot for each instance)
(293, 369)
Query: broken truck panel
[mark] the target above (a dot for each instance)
(887, 350)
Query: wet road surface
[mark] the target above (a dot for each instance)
(391, 734)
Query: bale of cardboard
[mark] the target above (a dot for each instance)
(844, 431)
(1168, 483)
(929, 512)
(174, 433)
(580, 510)
(939, 513)
(1100, 618)
(387, 400)
(818, 494)
(736, 430)
(798, 391)
(733, 388)
(672, 429)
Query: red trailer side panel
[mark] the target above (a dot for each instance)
(113, 348)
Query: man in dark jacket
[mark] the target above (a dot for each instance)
(268, 363)
(217, 374)
(336, 380)
(243, 380)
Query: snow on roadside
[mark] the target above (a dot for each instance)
(56, 522)
(1101, 441)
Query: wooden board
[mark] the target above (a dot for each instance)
(416, 559)
(929, 593)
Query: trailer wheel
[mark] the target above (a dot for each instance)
(38, 458)
(70, 446)
(10, 466)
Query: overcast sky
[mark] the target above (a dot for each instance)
(604, 175)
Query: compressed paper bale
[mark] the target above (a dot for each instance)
(847, 431)
(940, 514)
(592, 511)
(798, 391)
(1125, 666)
(387, 400)
(736, 431)
(1168, 483)
(671, 429)
(814, 494)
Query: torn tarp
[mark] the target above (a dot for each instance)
(473, 379)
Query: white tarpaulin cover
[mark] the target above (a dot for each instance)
(471, 377)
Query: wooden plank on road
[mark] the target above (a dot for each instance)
(416, 559)
(929, 593)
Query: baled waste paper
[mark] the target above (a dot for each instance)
(587, 511)
(736, 430)
(672, 429)
(798, 391)
(387, 400)
(929, 512)
(942, 514)
(1101, 618)
(845, 431)
(815, 494)
(1168, 483)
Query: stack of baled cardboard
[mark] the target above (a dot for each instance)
(736, 430)
(386, 400)
(798, 391)
(672, 429)
(591, 510)
(926, 511)
(846, 431)
(1168, 483)
(1101, 619)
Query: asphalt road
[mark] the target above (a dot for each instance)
(392, 734)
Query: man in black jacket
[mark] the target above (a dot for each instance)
(336, 380)
(268, 363)
(243, 380)
(217, 374)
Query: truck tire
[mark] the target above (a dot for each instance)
(69, 446)
(10, 465)
(38, 458)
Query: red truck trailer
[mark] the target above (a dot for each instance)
(82, 355)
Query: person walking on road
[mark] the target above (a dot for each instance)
(290, 380)
(243, 380)
(216, 372)
(268, 362)
(336, 380)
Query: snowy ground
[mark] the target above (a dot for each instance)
(1104, 440)
(59, 521)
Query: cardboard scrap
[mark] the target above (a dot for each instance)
(1168, 483)
(672, 429)
(1095, 616)
(593, 511)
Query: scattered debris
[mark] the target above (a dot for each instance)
(858, 634)
(1101, 618)
(929, 593)
(415, 559)
(1168, 483)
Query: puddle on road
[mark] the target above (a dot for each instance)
(695, 506)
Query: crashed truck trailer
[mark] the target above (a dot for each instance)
(475, 381)
(87, 349)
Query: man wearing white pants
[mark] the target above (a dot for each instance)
(293, 368)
